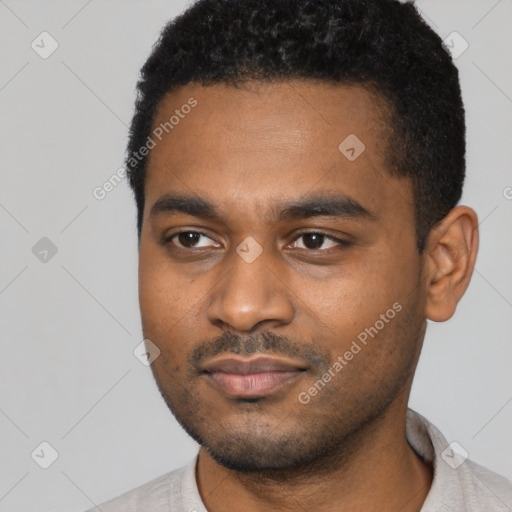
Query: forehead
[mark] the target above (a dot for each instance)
(262, 142)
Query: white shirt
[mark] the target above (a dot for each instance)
(458, 484)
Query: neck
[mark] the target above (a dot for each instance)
(375, 466)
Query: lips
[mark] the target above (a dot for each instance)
(251, 378)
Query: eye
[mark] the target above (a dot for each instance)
(190, 240)
(312, 241)
(315, 241)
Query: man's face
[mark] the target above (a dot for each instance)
(252, 307)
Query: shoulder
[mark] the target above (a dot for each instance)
(483, 487)
(459, 483)
(154, 495)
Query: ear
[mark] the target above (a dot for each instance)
(450, 255)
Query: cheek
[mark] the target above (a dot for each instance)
(351, 300)
(155, 298)
(170, 305)
(159, 295)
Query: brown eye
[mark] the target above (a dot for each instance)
(315, 241)
(190, 239)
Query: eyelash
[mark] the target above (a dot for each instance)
(341, 243)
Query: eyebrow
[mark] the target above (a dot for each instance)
(338, 206)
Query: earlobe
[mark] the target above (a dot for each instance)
(450, 256)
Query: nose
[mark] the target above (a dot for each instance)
(250, 294)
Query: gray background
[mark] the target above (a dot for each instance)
(69, 324)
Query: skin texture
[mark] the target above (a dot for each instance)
(304, 299)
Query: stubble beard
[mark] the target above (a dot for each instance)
(315, 442)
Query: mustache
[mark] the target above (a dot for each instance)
(262, 342)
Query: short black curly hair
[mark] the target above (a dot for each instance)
(383, 45)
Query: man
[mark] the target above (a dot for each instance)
(297, 168)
